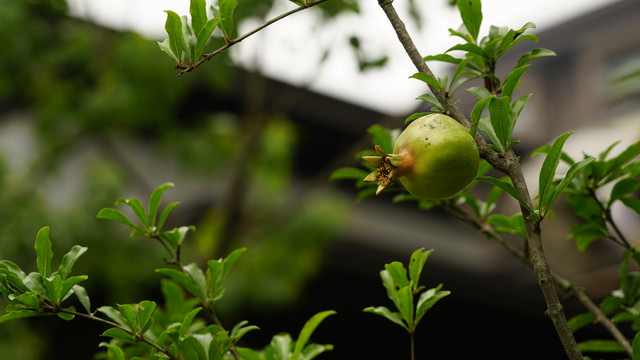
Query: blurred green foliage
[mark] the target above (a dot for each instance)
(90, 99)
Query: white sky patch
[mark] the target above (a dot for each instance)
(289, 50)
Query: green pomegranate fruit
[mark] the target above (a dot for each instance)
(434, 158)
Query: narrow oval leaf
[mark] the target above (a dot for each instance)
(117, 215)
(198, 11)
(203, 36)
(20, 314)
(227, 7)
(500, 112)
(173, 26)
(386, 313)
(512, 80)
(308, 329)
(429, 80)
(156, 198)
(508, 188)
(548, 170)
(348, 173)
(165, 214)
(69, 259)
(443, 57)
(83, 297)
(43, 252)
(573, 171)
(534, 54)
(471, 14)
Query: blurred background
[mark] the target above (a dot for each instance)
(91, 110)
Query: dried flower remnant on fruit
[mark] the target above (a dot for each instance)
(384, 174)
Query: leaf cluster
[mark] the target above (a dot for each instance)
(142, 330)
(403, 290)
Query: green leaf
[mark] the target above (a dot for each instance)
(239, 330)
(36, 282)
(632, 203)
(581, 320)
(429, 80)
(508, 224)
(29, 299)
(416, 116)
(69, 259)
(198, 11)
(478, 109)
(186, 322)
(416, 264)
(227, 7)
(586, 233)
(176, 236)
(404, 304)
(165, 213)
(573, 171)
(65, 315)
(313, 350)
(117, 215)
(471, 14)
(601, 346)
(199, 280)
(381, 137)
(68, 284)
(508, 188)
(187, 37)
(428, 299)
(181, 278)
(469, 48)
(118, 333)
(635, 347)
(479, 92)
(431, 99)
(173, 26)
(83, 297)
(128, 312)
(144, 311)
(459, 69)
(548, 171)
(20, 314)
(114, 352)
(204, 35)
(348, 173)
(500, 111)
(43, 252)
(534, 54)
(512, 80)
(385, 312)
(443, 57)
(398, 274)
(485, 125)
(113, 314)
(156, 195)
(622, 188)
(137, 208)
(308, 329)
(248, 354)
(165, 46)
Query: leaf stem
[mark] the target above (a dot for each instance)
(232, 42)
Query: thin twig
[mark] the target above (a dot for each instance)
(137, 337)
(232, 42)
(510, 165)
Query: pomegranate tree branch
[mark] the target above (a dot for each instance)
(561, 282)
(508, 163)
(232, 42)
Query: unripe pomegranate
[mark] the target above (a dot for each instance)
(434, 158)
